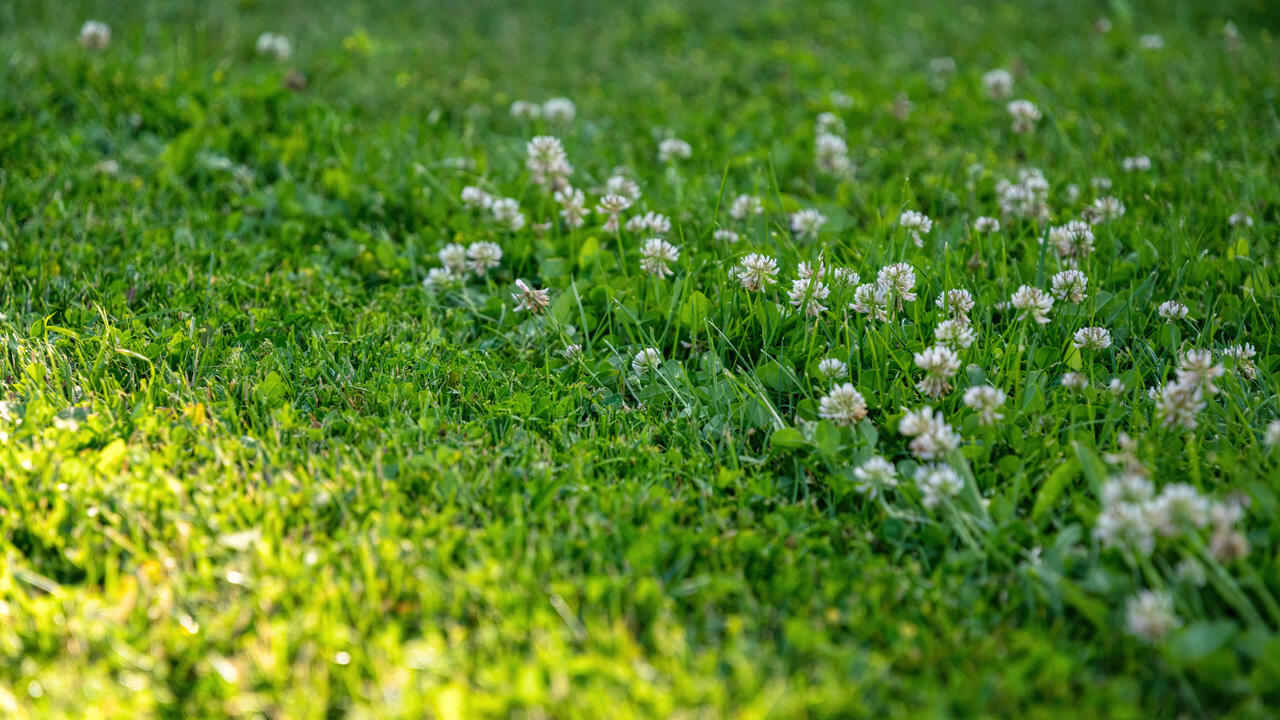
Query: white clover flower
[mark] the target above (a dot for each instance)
(1127, 527)
(673, 149)
(1105, 209)
(612, 205)
(828, 123)
(1028, 197)
(1100, 183)
(656, 256)
(806, 271)
(1032, 178)
(531, 299)
(1178, 404)
(1127, 456)
(1127, 487)
(1116, 387)
(110, 167)
(998, 84)
(1199, 370)
(214, 162)
(1179, 509)
(757, 271)
(1228, 545)
(844, 405)
(872, 300)
(507, 212)
(274, 45)
(1243, 355)
(844, 276)
(1138, 163)
(1032, 303)
(646, 361)
(912, 220)
(1072, 193)
(955, 334)
(571, 352)
(1190, 572)
(832, 369)
(559, 110)
(942, 66)
(1231, 34)
(1149, 616)
(442, 279)
(1074, 381)
(805, 223)
(937, 483)
(808, 295)
(1226, 514)
(655, 223)
(1092, 338)
(1172, 310)
(916, 422)
(957, 303)
(986, 224)
(483, 256)
(1070, 286)
(898, 280)
(745, 205)
(1240, 218)
(1025, 115)
(874, 476)
(95, 35)
(1271, 436)
(902, 106)
(986, 401)
(917, 223)
(1073, 241)
(725, 235)
(932, 437)
(453, 257)
(242, 173)
(476, 199)
(624, 186)
(840, 99)
(547, 162)
(1130, 487)
(525, 110)
(1151, 42)
(831, 154)
(573, 206)
(940, 363)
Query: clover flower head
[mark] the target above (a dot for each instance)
(843, 405)
(657, 255)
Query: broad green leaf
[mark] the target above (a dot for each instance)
(693, 311)
(1052, 488)
(1094, 610)
(112, 456)
(1094, 470)
(787, 438)
(827, 438)
(271, 389)
(1196, 641)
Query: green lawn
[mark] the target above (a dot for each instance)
(272, 446)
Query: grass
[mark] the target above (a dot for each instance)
(252, 467)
